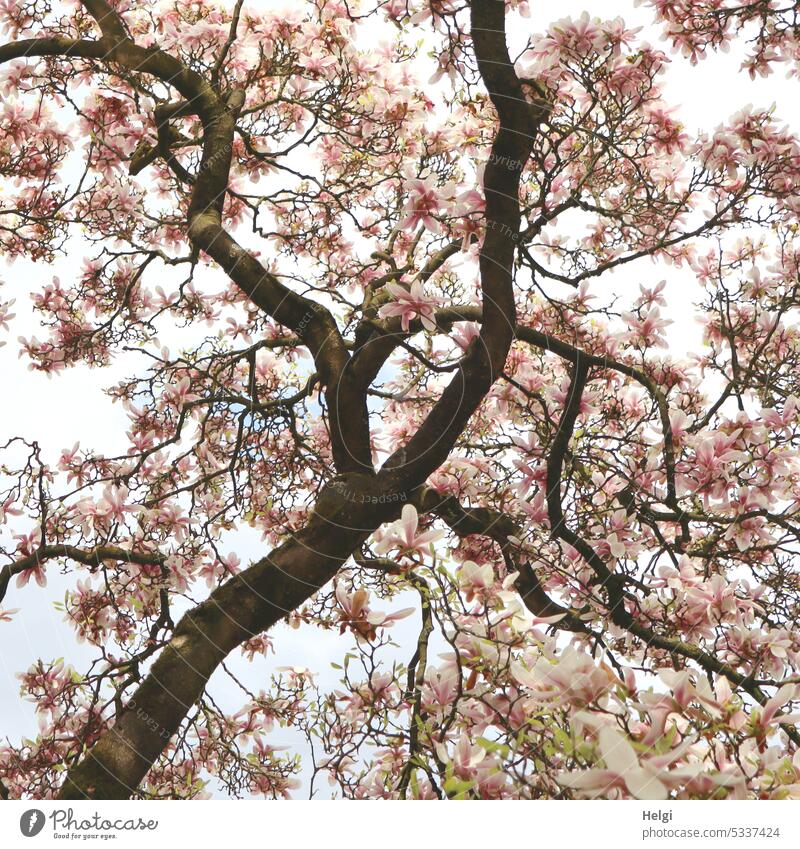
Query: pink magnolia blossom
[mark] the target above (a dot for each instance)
(355, 613)
(473, 765)
(769, 713)
(475, 580)
(574, 679)
(423, 204)
(404, 535)
(410, 304)
(648, 778)
(647, 328)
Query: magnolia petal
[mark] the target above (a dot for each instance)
(644, 785)
(598, 779)
(523, 675)
(616, 751)
(549, 620)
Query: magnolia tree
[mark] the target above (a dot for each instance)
(393, 234)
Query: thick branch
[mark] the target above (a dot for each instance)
(313, 323)
(107, 18)
(518, 123)
(614, 583)
(483, 521)
(247, 605)
(87, 556)
(445, 318)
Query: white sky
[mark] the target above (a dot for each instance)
(71, 407)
